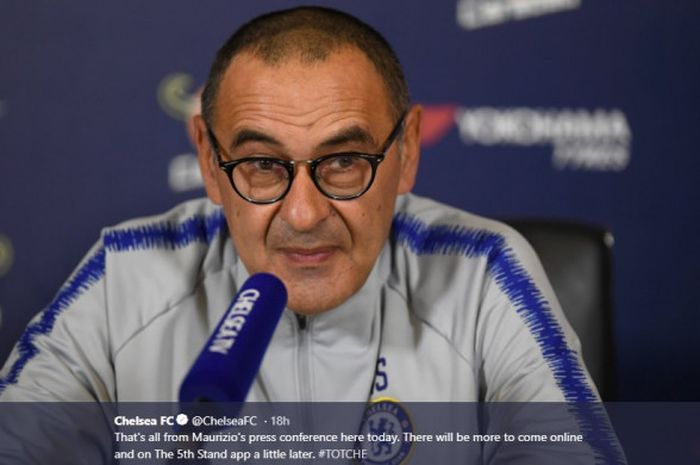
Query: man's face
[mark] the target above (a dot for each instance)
(322, 249)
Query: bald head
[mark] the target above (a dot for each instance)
(307, 34)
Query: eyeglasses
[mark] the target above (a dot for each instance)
(262, 179)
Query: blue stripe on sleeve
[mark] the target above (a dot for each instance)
(90, 273)
(197, 228)
(533, 308)
(166, 235)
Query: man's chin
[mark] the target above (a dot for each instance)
(312, 297)
(310, 305)
(316, 289)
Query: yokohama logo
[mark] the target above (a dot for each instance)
(581, 139)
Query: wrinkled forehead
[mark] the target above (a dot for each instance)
(343, 78)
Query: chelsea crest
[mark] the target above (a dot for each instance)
(383, 426)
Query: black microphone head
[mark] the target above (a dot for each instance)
(231, 358)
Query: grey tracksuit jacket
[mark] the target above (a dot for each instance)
(457, 308)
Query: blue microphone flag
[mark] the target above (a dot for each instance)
(231, 358)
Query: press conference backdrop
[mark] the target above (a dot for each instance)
(575, 109)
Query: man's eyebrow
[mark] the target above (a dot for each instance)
(348, 135)
(351, 134)
(250, 135)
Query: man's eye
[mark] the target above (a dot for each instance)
(343, 162)
(264, 165)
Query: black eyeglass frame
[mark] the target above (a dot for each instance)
(373, 159)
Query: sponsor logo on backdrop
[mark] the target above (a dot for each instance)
(184, 174)
(179, 98)
(6, 259)
(580, 139)
(176, 96)
(474, 14)
(6, 255)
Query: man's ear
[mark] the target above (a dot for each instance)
(207, 159)
(410, 154)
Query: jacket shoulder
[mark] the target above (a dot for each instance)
(437, 240)
(450, 264)
(153, 263)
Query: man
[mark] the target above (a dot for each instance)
(308, 149)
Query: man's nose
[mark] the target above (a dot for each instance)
(304, 206)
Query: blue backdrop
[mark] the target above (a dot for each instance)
(551, 108)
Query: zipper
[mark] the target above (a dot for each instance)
(304, 353)
(301, 320)
(304, 374)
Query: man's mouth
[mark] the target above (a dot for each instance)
(308, 256)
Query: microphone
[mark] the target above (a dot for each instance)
(231, 358)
